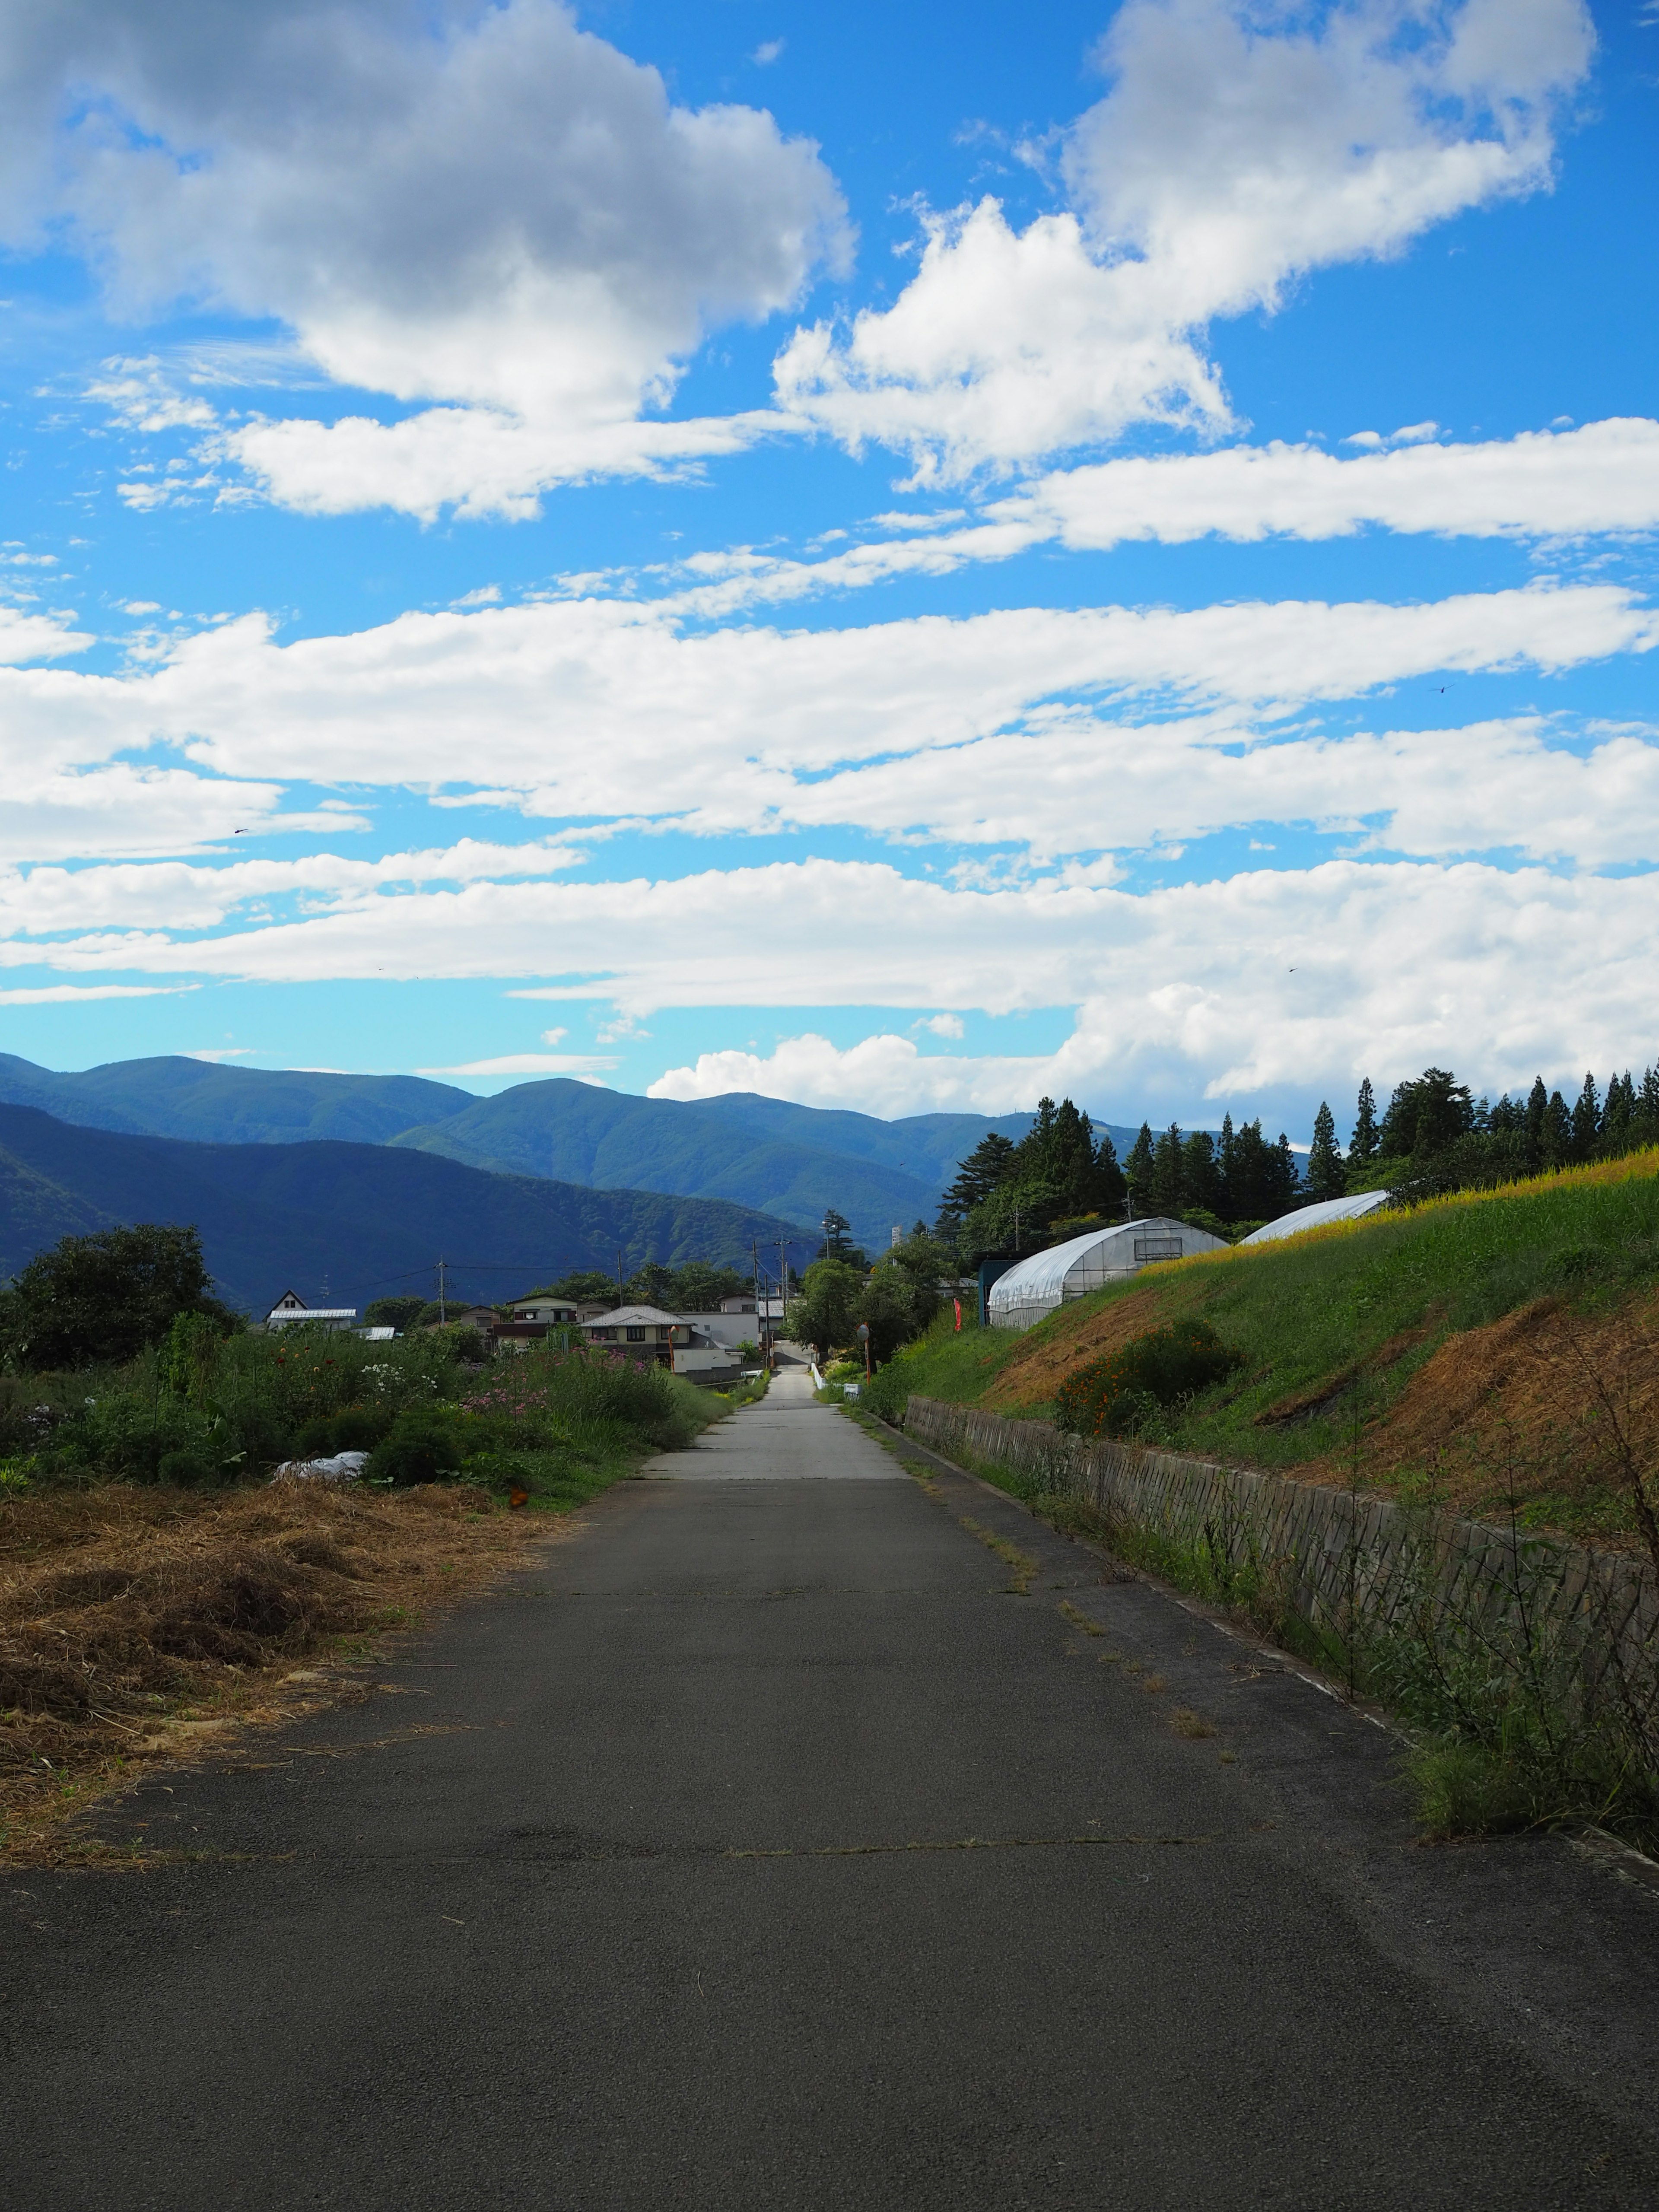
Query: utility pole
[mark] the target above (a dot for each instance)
(443, 1264)
(619, 1275)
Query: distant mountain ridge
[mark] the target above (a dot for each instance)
(768, 1154)
(342, 1223)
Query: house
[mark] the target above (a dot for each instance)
(291, 1307)
(550, 1313)
(485, 1319)
(643, 1333)
(1033, 1288)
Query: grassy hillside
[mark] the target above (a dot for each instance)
(1474, 1348)
(360, 1218)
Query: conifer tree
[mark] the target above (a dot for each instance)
(1139, 1169)
(1538, 1108)
(1557, 1131)
(1166, 1193)
(1361, 1148)
(1326, 1175)
(1650, 1107)
(1200, 1175)
(1586, 1121)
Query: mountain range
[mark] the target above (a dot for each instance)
(342, 1224)
(766, 1154)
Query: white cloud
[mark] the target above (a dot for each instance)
(473, 204)
(1601, 480)
(768, 51)
(944, 1026)
(1235, 151)
(1081, 785)
(566, 702)
(69, 994)
(38, 637)
(530, 1063)
(55, 811)
(173, 895)
(1267, 982)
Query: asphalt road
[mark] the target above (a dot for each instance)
(775, 1845)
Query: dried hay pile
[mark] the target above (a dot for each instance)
(127, 1614)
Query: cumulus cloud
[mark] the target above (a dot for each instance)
(566, 701)
(1601, 480)
(1235, 151)
(1269, 981)
(474, 203)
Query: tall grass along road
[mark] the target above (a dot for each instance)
(804, 1830)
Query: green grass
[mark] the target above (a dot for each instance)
(1307, 1313)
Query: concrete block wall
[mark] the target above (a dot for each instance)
(1340, 1559)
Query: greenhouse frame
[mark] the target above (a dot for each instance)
(1032, 1288)
(1316, 1217)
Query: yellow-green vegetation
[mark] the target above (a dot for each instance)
(1481, 1349)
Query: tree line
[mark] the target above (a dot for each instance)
(1435, 1135)
(1060, 1179)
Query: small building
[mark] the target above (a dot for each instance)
(550, 1313)
(1032, 1288)
(1316, 1217)
(643, 1333)
(485, 1319)
(291, 1308)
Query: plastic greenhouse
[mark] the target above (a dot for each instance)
(1034, 1287)
(1316, 1217)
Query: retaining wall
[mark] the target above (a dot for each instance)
(1343, 1560)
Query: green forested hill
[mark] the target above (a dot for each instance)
(176, 1096)
(764, 1154)
(359, 1219)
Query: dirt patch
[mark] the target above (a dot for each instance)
(1042, 1365)
(1535, 1407)
(133, 1620)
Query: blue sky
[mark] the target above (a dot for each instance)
(897, 558)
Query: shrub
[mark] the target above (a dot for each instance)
(1121, 1393)
(354, 1428)
(423, 1446)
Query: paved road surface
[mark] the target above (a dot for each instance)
(766, 1849)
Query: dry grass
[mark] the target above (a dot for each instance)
(1194, 1726)
(134, 1622)
(1515, 1410)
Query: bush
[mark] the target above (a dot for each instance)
(1121, 1393)
(354, 1428)
(422, 1447)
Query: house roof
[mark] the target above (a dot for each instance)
(635, 1315)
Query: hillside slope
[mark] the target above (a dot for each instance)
(774, 1157)
(764, 1154)
(209, 1105)
(1477, 1349)
(359, 1219)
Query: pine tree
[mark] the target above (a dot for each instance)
(1362, 1147)
(1138, 1168)
(1326, 1175)
(1537, 1109)
(1109, 1180)
(1649, 1106)
(1201, 1174)
(1586, 1121)
(1226, 1169)
(1557, 1131)
(1617, 1113)
(1166, 1192)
